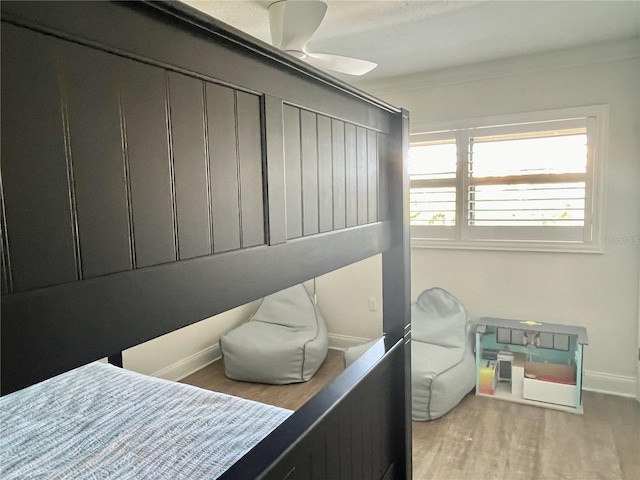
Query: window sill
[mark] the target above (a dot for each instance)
(506, 246)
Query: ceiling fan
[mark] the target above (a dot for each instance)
(293, 22)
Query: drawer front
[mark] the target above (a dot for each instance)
(550, 392)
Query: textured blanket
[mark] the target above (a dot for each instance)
(99, 421)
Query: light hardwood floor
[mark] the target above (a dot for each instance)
(483, 438)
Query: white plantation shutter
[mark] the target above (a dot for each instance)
(433, 173)
(525, 182)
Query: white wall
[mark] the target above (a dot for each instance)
(346, 298)
(598, 291)
(180, 353)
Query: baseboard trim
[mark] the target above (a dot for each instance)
(610, 384)
(342, 342)
(185, 367)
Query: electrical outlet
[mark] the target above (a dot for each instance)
(373, 304)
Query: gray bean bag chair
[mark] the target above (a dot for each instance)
(443, 368)
(351, 354)
(285, 341)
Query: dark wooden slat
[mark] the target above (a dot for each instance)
(34, 173)
(357, 439)
(223, 158)
(293, 175)
(372, 175)
(333, 449)
(345, 444)
(304, 467)
(325, 174)
(338, 154)
(367, 435)
(277, 220)
(191, 191)
(251, 169)
(319, 456)
(164, 297)
(5, 274)
(386, 456)
(144, 109)
(383, 155)
(36, 324)
(309, 172)
(351, 175)
(363, 176)
(91, 90)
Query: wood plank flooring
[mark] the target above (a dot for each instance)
(484, 438)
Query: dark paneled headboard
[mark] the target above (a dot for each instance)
(159, 167)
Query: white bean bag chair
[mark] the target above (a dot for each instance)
(443, 368)
(351, 354)
(285, 341)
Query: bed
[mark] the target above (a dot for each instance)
(158, 168)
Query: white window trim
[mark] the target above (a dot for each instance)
(596, 171)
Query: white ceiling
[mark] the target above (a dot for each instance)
(411, 36)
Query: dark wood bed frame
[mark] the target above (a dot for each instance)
(160, 167)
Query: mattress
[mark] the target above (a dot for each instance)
(99, 421)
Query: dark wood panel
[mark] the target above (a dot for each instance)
(396, 281)
(309, 140)
(78, 322)
(223, 158)
(98, 158)
(190, 165)
(194, 45)
(293, 172)
(251, 169)
(37, 206)
(363, 176)
(339, 175)
(144, 111)
(275, 170)
(372, 175)
(325, 174)
(351, 175)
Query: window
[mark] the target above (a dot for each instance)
(529, 183)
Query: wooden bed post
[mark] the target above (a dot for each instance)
(116, 359)
(396, 269)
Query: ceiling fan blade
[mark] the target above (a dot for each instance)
(293, 22)
(338, 63)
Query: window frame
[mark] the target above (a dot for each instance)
(463, 236)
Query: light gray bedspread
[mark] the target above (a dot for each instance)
(99, 421)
